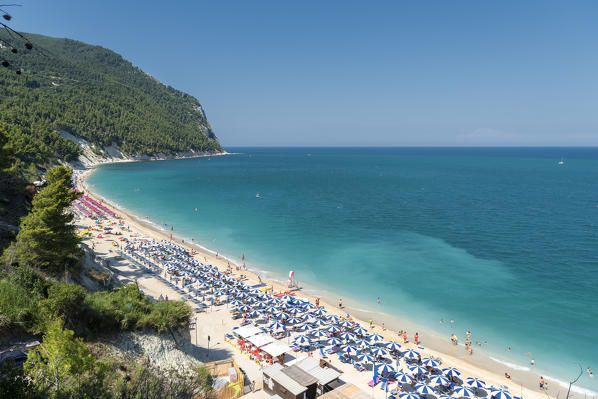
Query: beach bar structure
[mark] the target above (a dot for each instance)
(229, 370)
(327, 377)
(346, 391)
(304, 379)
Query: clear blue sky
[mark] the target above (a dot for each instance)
(359, 73)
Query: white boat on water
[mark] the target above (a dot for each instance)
(258, 195)
(561, 162)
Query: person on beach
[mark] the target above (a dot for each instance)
(541, 383)
(507, 376)
(468, 335)
(533, 362)
(383, 327)
(340, 303)
(378, 300)
(317, 302)
(371, 323)
(404, 337)
(416, 338)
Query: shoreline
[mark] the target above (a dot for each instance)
(479, 364)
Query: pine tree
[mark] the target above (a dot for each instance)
(47, 240)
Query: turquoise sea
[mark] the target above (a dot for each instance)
(504, 241)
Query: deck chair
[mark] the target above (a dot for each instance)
(322, 353)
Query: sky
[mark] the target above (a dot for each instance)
(378, 73)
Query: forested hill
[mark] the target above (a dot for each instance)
(94, 94)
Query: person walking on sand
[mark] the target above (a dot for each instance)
(340, 303)
(404, 337)
(542, 383)
(416, 338)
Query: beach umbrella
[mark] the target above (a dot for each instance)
(403, 378)
(236, 303)
(319, 322)
(475, 382)
(439, 379)
(277, 326)
(500, 394)
(451, 372)
(360, 331)
(295, 310)
(464, 392)
(364, 357)
(318, 333)
(376, 338)
(409, 395)
(254, 313)
(332, 318)
(308, 305)
(393, 346)
(308, 316)
(304, 327)
(245, 308)
(347, 336)
(332, 329)
(293, 320)
(302, 340)
(424, 389)
(379, 352)
(361, 343)
(271, 309)
(349, 349)
(284, 306)
(428, 361)
(385, 368)
(281, 316)
(319, 311)
(411, 354)
(334, 341)
(345, 323)
(418, 369)
(445, 397)
(248, 300)
(242, 295)
(288, 298)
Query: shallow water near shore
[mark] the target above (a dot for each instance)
(502, 240)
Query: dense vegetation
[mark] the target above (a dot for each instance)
(95, 94)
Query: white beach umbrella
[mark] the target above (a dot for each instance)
(245, 308)
(361, 343)
(360, 331)
(403, 378)
(463, 392)
(376, 338)
(308, 305)
(254, 313)
(409, 395)
(308, 316)
(277, 326)
(428, 361)
(385, 368)
(302, 340)
(319, 311)
(332, 318)
(319, 322)
(411, 354)
(439, 379)
(364, 357)
(334, 341)
(393, 346)
(318, 333)
(281, 316)
(236, 303)
(347, 336)
(451, 372)
(271, 309)
(288, 298)
(445, 397)
(424, 389)
(475, 382)
(345, 323)
(332, 329)
(304, 327)
(418, 369)
(294, 320)
(295, 310)
(500, 394)
(349, 349)
(379, 351)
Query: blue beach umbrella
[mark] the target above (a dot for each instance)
(304, 327)
(332, 329)
(332, 318)
(393, 346)
(349, 349)
(385, 368)
(361, 343)
(500, 394)
(409, 395)
(294, 310)
(428, 361)
(294, 320)
(308, 305)
(347, 336)
(302, 340)
(319, 322)
(288, 298)
(376, 338)
(345, 323)
(451, 372)
(318, 334)
(403, 378)
(334, 341)
(271, 309)
(308, 316)
(254, 313)
(411, 354)
(281, 316)
(319, 311)
(364, 357)
(445, 397)
(379, 351)
(245, 308)
(439, 379)
(277, 326)
(463, 392)
(418, 369)
(475, 382)
(424, 389)
(236, 303)
(360, 331)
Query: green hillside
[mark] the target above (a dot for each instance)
(95, 94)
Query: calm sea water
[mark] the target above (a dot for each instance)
(504, 241)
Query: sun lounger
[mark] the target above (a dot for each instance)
(359, 366)
(322, 353)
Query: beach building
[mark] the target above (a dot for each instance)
(346, 391)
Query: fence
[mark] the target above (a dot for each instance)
(220, 368)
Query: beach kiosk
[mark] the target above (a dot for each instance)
(289, 382)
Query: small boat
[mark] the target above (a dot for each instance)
(561, 162)
(258, 195)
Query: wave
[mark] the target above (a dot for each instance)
(574, 388)
(511, 365)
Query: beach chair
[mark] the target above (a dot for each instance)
(323, 354)
(359, 366)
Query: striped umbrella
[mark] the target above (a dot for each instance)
(409, 395)
(318, 333)
(334, 341)
(319, 311)
(304, 327)
(249, 300)
(254, 313)
(308, 316)
(345, 323)
(294, 310)
(418, 369)
(347, 336)
(332, 329)
(308, 305)
(428, 361)
(332, 318)
(360, 331)
(361, 343)
(271, 309)
(403, 378)
(288, 298)
(475, 382)
(281, 316)
(393, 346)
(424, 389)
(245, 308)
(500, 394)
(445, 397)
(376, 338)
(277, 326)
(439, 379)
(364, 357)
(411, 354)
(319, 322)
(451, 372)
(302, 340)
(463, 392)
(349, 349)
(294, 320)
(236, 303)
(379, 351)
(385, 368)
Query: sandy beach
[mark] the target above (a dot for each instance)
(217, 321)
